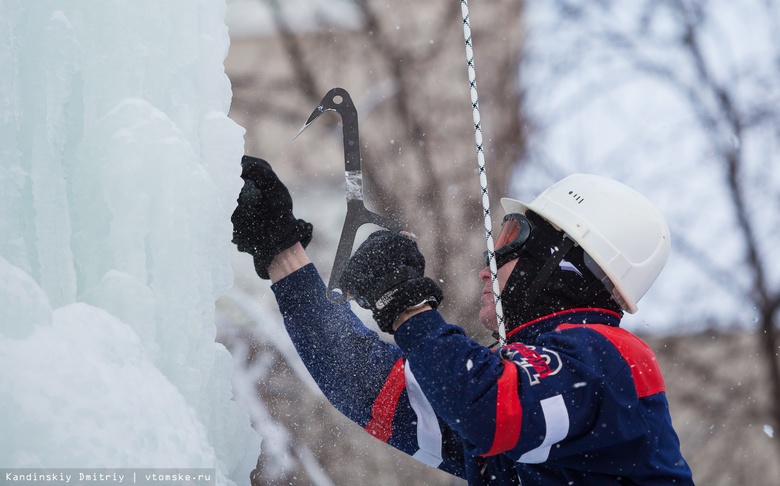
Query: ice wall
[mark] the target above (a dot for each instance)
(119, 171)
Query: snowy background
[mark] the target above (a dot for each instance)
(609, 88)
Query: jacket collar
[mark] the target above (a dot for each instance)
(528, 332)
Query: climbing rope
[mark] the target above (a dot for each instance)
(464, 7)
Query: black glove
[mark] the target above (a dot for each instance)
(385, 275)
(263, 222)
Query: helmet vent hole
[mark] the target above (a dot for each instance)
(576, 197)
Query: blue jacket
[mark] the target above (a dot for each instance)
(584, 405)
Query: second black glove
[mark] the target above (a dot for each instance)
(386, 276)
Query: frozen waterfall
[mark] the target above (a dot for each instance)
(119, 171)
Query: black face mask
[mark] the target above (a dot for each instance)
(550, 276)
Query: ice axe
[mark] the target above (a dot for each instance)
(338, 100)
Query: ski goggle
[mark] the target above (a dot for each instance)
(515, 230)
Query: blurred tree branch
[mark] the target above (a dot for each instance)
(407, 63)
(734, 103)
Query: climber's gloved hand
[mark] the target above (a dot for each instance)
(385, 275)
(263, 222)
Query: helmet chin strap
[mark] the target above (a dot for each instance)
(546, 271)
(549, 267)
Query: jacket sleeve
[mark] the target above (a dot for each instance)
(571, 395)
(364, 377)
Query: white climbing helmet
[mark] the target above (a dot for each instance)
(622, 232)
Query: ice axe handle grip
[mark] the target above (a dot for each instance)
(357, 216)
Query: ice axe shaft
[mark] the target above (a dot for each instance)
(338, 100)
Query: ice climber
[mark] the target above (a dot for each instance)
(571, 399)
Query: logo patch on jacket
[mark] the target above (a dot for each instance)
(537, 363)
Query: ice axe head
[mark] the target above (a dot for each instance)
(338, 100)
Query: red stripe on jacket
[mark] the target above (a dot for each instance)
(640, 358)
(383, 411)
(509, 413)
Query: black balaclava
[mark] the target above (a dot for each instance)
(570, 284)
